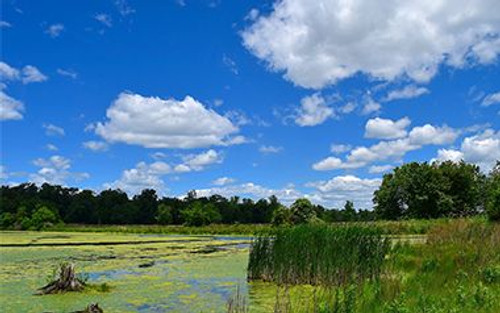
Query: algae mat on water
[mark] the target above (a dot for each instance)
(150, 274)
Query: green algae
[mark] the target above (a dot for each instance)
(178, 281)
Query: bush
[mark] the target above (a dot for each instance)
(42, 218)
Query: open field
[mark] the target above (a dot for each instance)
(454, 266)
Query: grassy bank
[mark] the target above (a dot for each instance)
(405, 227)
(456, 270)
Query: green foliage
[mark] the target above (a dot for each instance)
(493, 194)
(422, 190)
(302, 211)
(43, 218)
(199, 214)
(318, 254)
(164, 216)
(281, 216)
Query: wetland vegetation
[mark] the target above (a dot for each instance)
(214, 254)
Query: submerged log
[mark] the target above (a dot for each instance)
(66, 281)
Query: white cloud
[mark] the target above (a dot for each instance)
(143, 176)
(339, 148)
(482, 149)
(55, 170)
(32, 75)
(51, 147)
(7, 72)
(222, 181)
(313, 111)
(53, 130)
(336, 191)
(270, 149)
(370, 106)
(124, 8)
(377, 169)
(287, 194)
(431, 135)
(5, 24)
(158, 155)
(197, 162)
(390, 150)
(156, 123)
(67, 73)
(408, 92)
(10, 108)
(490, 99)
(104, 19)
(96, 146)
(54, 30)
(28, 74)
(321, 42)
(386, 129)
(449, 155)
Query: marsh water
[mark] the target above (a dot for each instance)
(146, 273)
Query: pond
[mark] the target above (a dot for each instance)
(161, 273)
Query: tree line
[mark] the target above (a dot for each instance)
(413, 190)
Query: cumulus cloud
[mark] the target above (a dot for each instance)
(10, 108)
(153, 122)
(386, 129)
(270, 149)
(390, 150)
(313, 111)
(408, 92)
(32, 75)
(143, 176)
(222, 181)
(491, 99)
(96, 146)
(55, 170)
(317, 43)
(377, 169)
(53, 130)
(339, 148)
(54, 30)
(370, 106)
(336, 191)
(482, 149)
(286, 194)
(432, 135)
(149, 175)
(28, 74)
(51, 147)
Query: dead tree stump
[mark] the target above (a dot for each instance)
(66, 281)
(91, 308)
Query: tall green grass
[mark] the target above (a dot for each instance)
(318, 255)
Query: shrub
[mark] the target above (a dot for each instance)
(43, 218)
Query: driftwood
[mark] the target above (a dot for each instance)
(66, 281)
(91, 308)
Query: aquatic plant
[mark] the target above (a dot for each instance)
(318, 255)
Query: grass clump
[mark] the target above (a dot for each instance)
(318, 255)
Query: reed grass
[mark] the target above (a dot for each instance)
(318, 255)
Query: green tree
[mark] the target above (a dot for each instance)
(281, 216)
(349, 213)
(199, 214)
(493, 194)
(43, 217)
(302, 211)
(164, 216)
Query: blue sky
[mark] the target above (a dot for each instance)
(250, 98)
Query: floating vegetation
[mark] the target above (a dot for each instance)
(318, 255)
